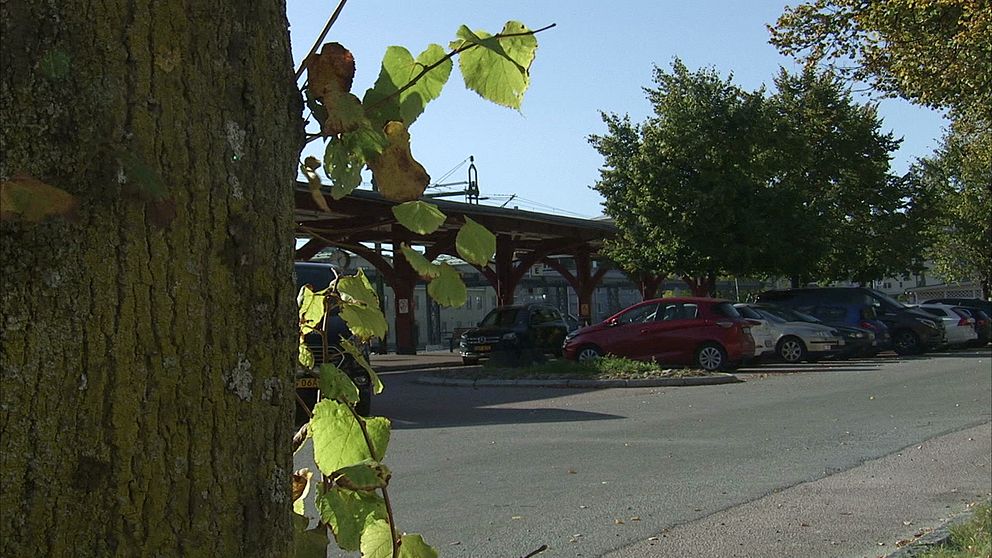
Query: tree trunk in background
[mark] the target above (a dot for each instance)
(148, 344)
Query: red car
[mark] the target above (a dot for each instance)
(704, 332)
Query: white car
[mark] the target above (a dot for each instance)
(764, 334)
(960, 326)
(797, 336)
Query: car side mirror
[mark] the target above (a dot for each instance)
(611, 322)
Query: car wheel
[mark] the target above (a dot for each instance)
(791, 350)
(588, 352)
(905, 342)
(469, 361)
(711, 357)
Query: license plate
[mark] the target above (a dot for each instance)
(307, 383)
(483, 348)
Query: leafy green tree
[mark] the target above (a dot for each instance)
(835, 211)
(682, 186)
(932, 52)
(959, 183)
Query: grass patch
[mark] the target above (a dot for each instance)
(972, 539)
(606, 368)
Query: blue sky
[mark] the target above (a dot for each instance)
(598, 58)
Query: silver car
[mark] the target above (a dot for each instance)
(797, 338)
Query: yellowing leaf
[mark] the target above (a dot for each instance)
(419, 263)
(448, 289)
(337, 437)
(475, 244)
(306, 356)
(357, 288)
(378, 429)
(364, 321)
(397, 174)
(364, 476)
(335, 384)
(308, 543)
(313, 181)
(356, 354)
(311, 309)
(301, 487)
(419, 216)
(24, 197)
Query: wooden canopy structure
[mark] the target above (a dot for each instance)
(523, 238)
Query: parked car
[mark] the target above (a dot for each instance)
(983, 325)
(913, 331)
(319, 277)
(517, 331)
(705, 332)
(857, 316)
(764, 333)
(800, 337)
(983, 305)
(958, 323)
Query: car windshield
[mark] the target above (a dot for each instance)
(789, 315)
(771, 317)
(888, 300)
(501, 317)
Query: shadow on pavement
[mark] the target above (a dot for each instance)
(411, 405)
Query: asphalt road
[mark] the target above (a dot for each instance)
(814, 462)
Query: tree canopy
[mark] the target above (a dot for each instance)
(932, 52)
(726, 181)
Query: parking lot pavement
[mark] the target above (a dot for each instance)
(865, 511)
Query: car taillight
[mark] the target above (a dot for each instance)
(867, 325)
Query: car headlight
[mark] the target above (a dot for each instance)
(509, 336)
(929, 323)
(570, 335)
(856, 335)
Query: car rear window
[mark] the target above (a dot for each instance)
(726, 309)
(935, 311)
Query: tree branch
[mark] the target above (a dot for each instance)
(320, 38)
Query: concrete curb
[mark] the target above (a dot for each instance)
(436, 380)
(938, 537)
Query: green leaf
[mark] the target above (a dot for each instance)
(364, 321)
(398, 69)
(308, 543)
(356, 354)
(419, 263)
(357, 288)
(311, 309)
(377, 540)
(497, 69)
(475, 244)
(378, 429)
(306, 356)
(335, 384)
(337, 437)
(347, 512)
(343, 165)
(419, 216)
(448, 289)
(364, 476)
(413, 546)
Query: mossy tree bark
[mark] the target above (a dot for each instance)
(147, 342)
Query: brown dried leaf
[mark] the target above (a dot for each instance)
(331, 72)
(27, 198)
(398, 175)
(301, 479)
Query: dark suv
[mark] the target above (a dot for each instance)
(518, 333)
(319, 276)
(912, 331)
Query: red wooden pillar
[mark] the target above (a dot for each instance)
(583, 282)
(505, 283)
(404, 285)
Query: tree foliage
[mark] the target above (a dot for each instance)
(932, 52)
(725, 181)
(958, 183)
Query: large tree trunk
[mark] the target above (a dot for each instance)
(147, 344)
